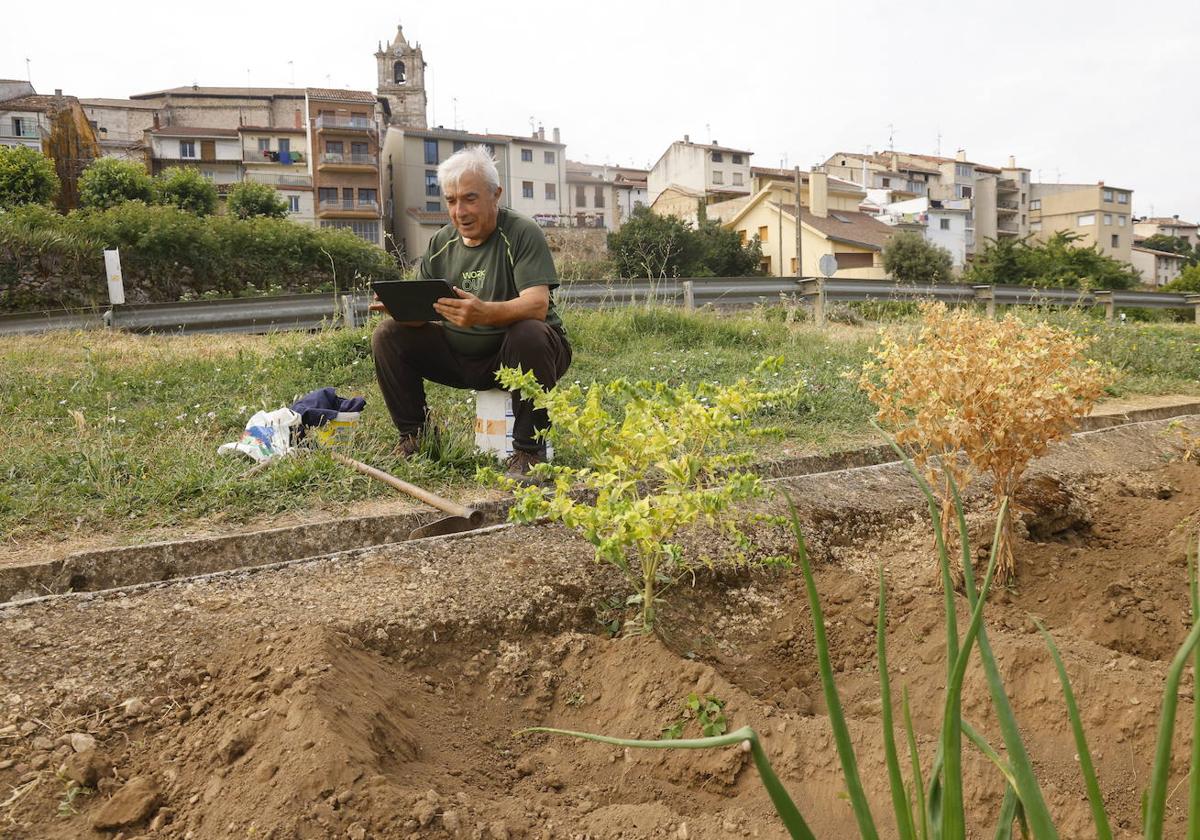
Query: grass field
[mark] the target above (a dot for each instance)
(117, 433)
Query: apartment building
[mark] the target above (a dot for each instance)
(1158, 268)
(943, 223)
(1146, 227)
(537, 170)
(344, 137)
(279, 157)
(591, 197)
(882, 171)
(688, 173)
(632, 190)
(1099, 214)
(216, 152)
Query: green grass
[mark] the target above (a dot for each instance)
(156, 408)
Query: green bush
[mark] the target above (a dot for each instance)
(656, 247)
(1057, 262)
(26, 177)
(167, 254)
(184, 187)
(909, 258)
(253, 199)
(108, 182)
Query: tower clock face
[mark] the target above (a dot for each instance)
(399, 52)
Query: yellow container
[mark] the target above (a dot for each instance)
(339, 430)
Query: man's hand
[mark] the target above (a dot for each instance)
(464, 311)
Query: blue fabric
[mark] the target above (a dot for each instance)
(285, 157)
(318, 407)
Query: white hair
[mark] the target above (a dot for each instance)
(475, 159)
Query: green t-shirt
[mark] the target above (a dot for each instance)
(514, 258)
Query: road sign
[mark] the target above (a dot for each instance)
(828, 265)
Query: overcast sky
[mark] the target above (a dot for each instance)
(1077, 91)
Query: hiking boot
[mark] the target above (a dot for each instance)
(408, 446)
(519, 464)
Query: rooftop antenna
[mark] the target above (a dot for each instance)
(532, 126)
(708, 131)
(247, 77)
(454, 103)
(1057, 175)
(939, 142)
(292, 72)
(891, 137)
(28, 72)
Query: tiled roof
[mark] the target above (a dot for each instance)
(276, 129)
(340, 95)
(193, 131)
(243, 92)
(856, 229)
(101, 102)
(1157, 253)
(1167, 221)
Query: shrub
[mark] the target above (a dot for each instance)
(657, 460)
(249, 199)
(26, 177)
(656, 247)
(184, 187)
(108, 182)
(1057, 262)
(910, 258)
(997, 391)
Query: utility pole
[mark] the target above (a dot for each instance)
(799, 234)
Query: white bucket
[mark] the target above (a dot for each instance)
(494, 424)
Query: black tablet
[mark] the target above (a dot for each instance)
(412, 300)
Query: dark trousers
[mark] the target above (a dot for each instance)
(406, 356)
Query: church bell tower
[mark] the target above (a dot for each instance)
(402, 81)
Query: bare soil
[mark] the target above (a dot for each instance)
(378, 695)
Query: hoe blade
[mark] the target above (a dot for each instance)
(441, 527)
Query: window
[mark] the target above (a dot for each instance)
(1116, 241)
(718, 177)
(737, 159)
(527, 189)
(18, 127)
(1035, 227)
(599, 197)
(1022, 198)
(853, 259)
(431, 183)
(527, 156)
(1022, 218)
(459, 145)
(1024, 177)
(549, 158)
(1108, 195)
(1108, 218)
(717, 157)
(1036, 204)
(368, 196)
(359, 151)
(264, 144)
(433, 207)
(327, 194)
(963, 191)
(398, 73)
(580, 196)
(362, 229)
(1121, 221)
(762, 234)
(962, 170)
(285, 145)
(431, 152)
(887, 182)
(794, 272)
(764, 265)
(1086, 219)
(551, 192)
(187, 148)
(209, 174)
(334, 147)
(944, 224)
(293, 203)
(1122, 198)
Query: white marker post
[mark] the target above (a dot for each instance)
(116, 286)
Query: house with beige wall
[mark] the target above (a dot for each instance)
(688, 172)
(537, 170)
(1145, 227)
(854, 238)
(1097, 213)
(279, 157)
(591, 197)
(1158, 268)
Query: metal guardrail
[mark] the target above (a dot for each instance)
(311, 311)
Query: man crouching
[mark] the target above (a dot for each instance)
(503, 316)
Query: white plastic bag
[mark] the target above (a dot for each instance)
(268, 435)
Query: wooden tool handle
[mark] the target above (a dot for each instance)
(432, 499)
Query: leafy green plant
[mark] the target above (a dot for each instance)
(185, 188)
(71, 792)
(708, 712)
(910, 258)
(250, 198)
(108, 182)
(26, 177)
(658, 458)
(934, 807)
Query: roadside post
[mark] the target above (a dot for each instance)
(116, 286)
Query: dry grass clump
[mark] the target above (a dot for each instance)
(995, 391)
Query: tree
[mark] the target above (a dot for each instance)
(1187, 281)
(910, 258)
(1173, 245)
(253, 199)
(184, 187)
(1057, 262)
(651, 246)
(108, 182)
(26, 177)
(718, 252)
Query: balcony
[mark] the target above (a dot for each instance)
(25, 132)
(328, 123)
(1006, 185)
(348, 206)
(1004, 206)
(342, 161)
(279, 179)
(272, 157)
(1008, 230)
